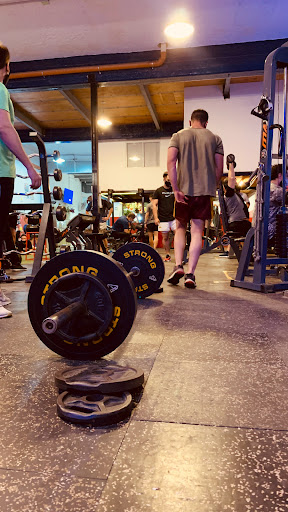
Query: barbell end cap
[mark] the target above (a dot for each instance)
(49, 326)
(135, 271)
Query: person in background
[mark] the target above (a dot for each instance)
(163, 211)
(237, 210)
(195, 166)
(124, 224)
(106, 210)
(23, 244)
(150, 225)
(89, 206)
(276, 199)
(10, 147)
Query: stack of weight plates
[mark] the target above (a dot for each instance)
(97, 394)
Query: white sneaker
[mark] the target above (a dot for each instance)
(4, 313)
(4, 300)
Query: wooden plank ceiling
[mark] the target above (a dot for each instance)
(122, 104)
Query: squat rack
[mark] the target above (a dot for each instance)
(256, 241)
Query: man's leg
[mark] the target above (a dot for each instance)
(151, 242)
(165, 240)
(179, 242)
(6, 195)
(197, 227)
(155, 240)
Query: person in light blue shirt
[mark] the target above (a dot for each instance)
(10, 148)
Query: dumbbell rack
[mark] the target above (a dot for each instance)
(47, 225)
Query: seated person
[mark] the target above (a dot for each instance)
(124, 224)
(23, 244)
(276, 199)
(237, 211)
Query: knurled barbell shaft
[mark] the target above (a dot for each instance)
(54, 322)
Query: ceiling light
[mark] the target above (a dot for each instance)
(179, 30)
(59, 160)
(134, 158)
(104, 123)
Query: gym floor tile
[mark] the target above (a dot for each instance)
(34, 438)
(218, 346)
(39, 492)
(233, 394)
(217, 316)
(184, 468)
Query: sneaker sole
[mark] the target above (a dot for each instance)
(190, 284)
(5, 303)
(175, 279)
(6, 316)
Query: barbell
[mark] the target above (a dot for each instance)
(82, 304)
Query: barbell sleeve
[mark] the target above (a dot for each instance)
(54, 322)
(135, 271)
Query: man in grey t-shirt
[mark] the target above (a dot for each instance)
(199, 154)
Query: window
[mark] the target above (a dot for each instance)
(143, 154)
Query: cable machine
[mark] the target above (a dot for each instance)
(256, 241)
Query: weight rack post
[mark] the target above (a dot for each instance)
(94, 142)
(46, 226)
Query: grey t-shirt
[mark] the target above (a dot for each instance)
(235, 206)
(196, 166)
(150, 217)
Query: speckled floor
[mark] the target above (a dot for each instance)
(210, 433)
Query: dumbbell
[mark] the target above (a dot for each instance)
(230, 159)
(61, 213)
(57, 193)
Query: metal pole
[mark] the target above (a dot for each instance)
(284, 138)
(94, 142)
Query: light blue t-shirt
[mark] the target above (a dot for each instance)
(7, 159)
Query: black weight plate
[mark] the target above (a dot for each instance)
(150, 264)
(85, 288)
(103, 377)
(96, 409)
(111, 275)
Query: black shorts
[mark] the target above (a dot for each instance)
(196, 207)
(240, 226)
(152, 227)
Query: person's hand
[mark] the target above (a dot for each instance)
(35, 178)
(157, 221)
(105, 218)
(180, 197)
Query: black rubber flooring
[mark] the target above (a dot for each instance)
(209, 434)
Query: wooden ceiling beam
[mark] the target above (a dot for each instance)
(148, 100)
(24, 117)
(73, 100)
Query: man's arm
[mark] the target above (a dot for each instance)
(231, 176)
(12, 140)
(218, 159)
(172, 157)
(155, 211)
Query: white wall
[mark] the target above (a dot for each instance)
(114, 173)
(231, 119)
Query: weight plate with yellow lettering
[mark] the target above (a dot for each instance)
(107, 293)
(150, 265)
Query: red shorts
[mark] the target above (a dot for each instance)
(197, 207)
